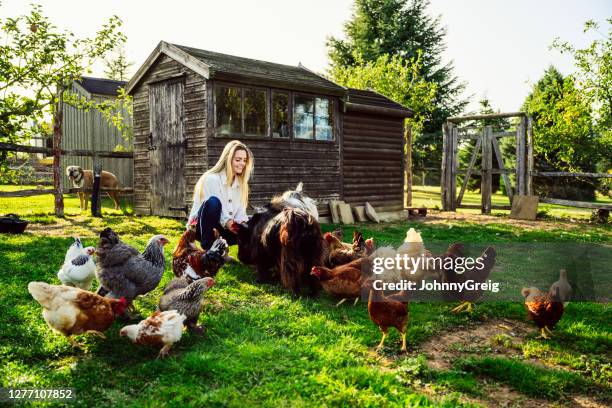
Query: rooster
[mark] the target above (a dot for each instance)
(72, 311)
(79, 268)
(195, 263)
(342, 281)
(543, 308)
(161, 329)
(186, 298)
(467, 297)
(340, 253)
(388, 311)
(125, 272)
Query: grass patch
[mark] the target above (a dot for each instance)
(530, 379)
(264, 347)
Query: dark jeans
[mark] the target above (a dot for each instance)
(208, 219)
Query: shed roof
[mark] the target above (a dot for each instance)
(101, 86)
(211, 64)
(369, 101)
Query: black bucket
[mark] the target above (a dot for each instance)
(12, 224)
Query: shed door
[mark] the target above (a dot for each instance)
(167, 148)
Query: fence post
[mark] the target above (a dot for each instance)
(408, 167)
(454, 167)
(529, 155)
(486, 181)
(95, 194)
(521, 187)
(446, 129)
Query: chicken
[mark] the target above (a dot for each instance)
(123, 271)
(340, 253)
(186, 298)
(185, 247)
(342, 281)
(452, 274)
(72, 311)
(388, 311)
(208, 263)
(79, 268)
(543, 308)
(562, 287)
(413, 247)
(189, 260)
(161, 329)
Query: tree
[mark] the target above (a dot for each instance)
(594, 75)
(395, 77)
(404, 29)
(563, 135)
(38, 66)
(118, 68)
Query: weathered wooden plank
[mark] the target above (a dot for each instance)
(469, 171)
(486, 181)
(500, 163)
(578, 204)
(26, 193)
(10, 147)
(458, 119)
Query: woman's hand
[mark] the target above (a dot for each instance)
(233, 226)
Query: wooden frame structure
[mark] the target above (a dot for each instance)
(487, 142)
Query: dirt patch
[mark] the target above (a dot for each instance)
(478, 339)
(443, 217)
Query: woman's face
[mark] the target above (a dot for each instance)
(239, 161)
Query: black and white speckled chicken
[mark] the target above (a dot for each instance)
(185, 297)
(208, 263)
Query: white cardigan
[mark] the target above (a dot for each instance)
(215, 184)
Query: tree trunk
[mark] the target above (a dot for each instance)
(58, 117)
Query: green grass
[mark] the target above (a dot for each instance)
(264, 347)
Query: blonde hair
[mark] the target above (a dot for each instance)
(225, 163)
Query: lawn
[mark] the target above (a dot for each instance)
(264, 347)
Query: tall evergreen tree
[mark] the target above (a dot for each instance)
(403, 27)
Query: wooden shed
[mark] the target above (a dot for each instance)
(89, 130)
(188, 103)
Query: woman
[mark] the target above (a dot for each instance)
(221, 195)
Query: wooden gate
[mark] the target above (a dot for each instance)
(487, 143)
(167, 148)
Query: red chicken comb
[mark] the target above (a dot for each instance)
(194, 222)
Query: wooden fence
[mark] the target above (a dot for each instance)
(487, 142)
(96, 154)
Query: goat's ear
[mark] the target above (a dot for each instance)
(299, 187)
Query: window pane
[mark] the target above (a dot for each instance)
(255, 112)
(280, 114)
(303, 115)
(228, 111)
(324, 119)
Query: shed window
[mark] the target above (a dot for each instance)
(280, 114)
(303, 117)
(255, 112)
(313, 118)
(228, 108)
(324, 119)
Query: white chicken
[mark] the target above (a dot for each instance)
(413, 247)
(562, 287)
(160, 329)
(79, 268)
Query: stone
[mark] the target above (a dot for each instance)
(524, 207)
(371, 212)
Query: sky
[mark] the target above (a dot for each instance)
(499, 48)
